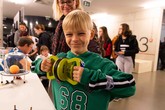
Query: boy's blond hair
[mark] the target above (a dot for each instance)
(77, 20)
(56, 9)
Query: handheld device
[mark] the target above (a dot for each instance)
(63, 69)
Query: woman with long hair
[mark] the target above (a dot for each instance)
(60, 9)
(106, 43)
(126, 47)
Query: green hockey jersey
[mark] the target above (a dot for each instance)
(100, 83)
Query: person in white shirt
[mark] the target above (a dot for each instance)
(33, 54)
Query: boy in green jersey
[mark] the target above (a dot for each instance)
(99, 81)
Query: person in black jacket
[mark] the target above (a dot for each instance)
(126, 47)
(162, 55)
(43, 36)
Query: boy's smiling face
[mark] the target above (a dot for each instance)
(78, 40)
(78, 30)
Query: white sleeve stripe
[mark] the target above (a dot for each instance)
(101, 83)
(124, 82)
(110, 83)
(98, 84)
(115, 83)
(109, 77)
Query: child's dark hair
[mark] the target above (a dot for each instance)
(40, 26)
(22, 23)
(25, 40)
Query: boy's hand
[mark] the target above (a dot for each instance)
(77, 73)
(46, 65)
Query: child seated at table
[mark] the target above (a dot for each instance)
(44, 52)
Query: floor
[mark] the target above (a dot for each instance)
(150, 93)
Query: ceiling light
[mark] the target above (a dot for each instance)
(19, 1)
(5, 27)
(36, 22)
(49, 24)
(25, 21)
(154, 4)
(101, 15)
(31, 24)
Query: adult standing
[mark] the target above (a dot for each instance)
(94, 44)
(43, 36)
(126, 47)
(162, 54)
(106, 43)
(60, 9)
(22, 31)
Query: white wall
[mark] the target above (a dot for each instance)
(145, 23)
(111, 22)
